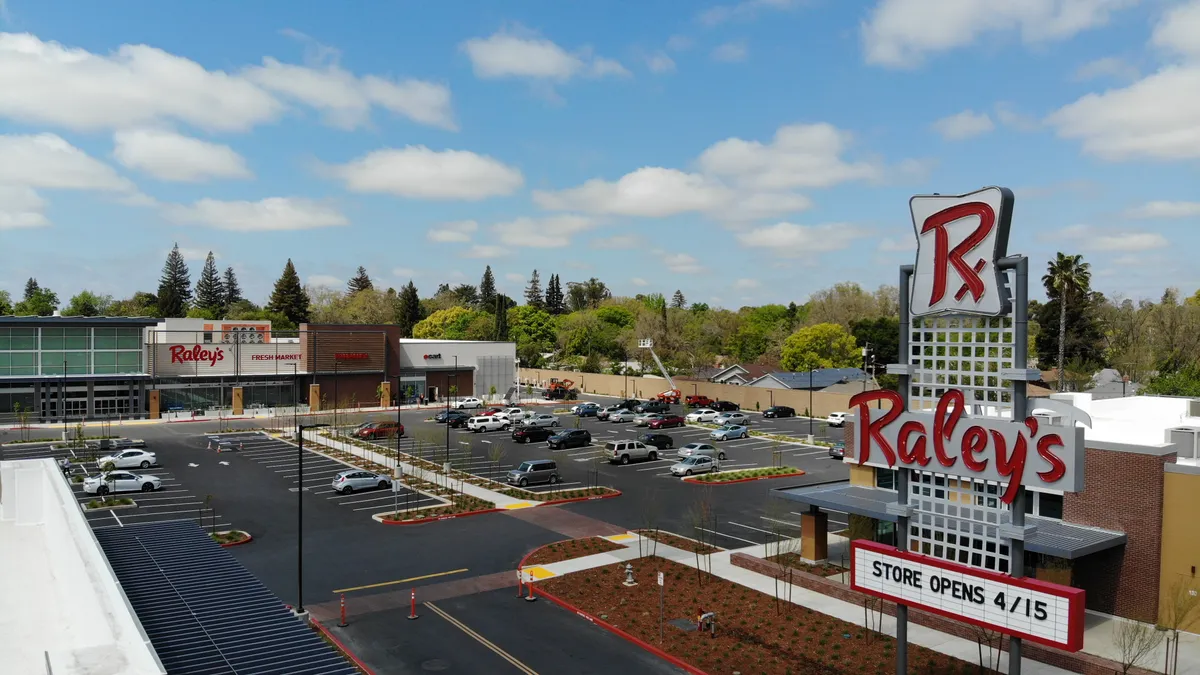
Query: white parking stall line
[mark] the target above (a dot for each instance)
(810, 454)
(756, 529)
(781, 522)
(730, 536)
(411, 502)
(376, 498)
(317, 475)
(168, 513)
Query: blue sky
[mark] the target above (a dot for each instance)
(746, 152)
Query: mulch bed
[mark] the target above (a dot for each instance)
(753, 634)
(575, 548)
(678, 542)
(517, 493)
(794, 560)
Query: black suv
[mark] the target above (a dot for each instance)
(526, 434)
(724, 406)
(455, 418)
(660, 441)
(570, 438)
(779, 411)
(653, 407)
(628, 404)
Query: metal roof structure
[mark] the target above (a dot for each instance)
(204, 613)
(78, 320)
(821, 378)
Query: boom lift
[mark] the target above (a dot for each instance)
(671, 395)
(561, 389)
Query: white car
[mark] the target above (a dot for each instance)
(732, 417)
(622, 416)
(469, 402)
(516, 414)
(603, 413)
(488, 423)
(575, 408)
(695, 464)
(129, 459)
(836, 419)
(541, 420)
(702, 415)
(697, 449)
(120, 481)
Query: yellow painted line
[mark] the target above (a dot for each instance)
(519, 505)
(621, 537)
(399, 581)
(482, 640)
(538, 573)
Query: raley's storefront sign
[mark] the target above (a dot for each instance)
(225, 359)
(947, 441)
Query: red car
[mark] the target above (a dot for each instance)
(700, 401)
(490, 411)
(376, 430)
(667, 421)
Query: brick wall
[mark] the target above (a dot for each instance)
(1123, 491)
(1078, 662)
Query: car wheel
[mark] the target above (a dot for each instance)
(624, 459)
(653, 456)
(554, 424)
(670, 445)
(102, 490)
(383, 485)
(688, 472)
(504, 428)
(523, 482)
(147, 487)
(553, 479)
(145, 464)
(721, 457)
(745, 435)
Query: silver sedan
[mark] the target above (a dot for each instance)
(622, 416)
(541, 420)
(347, 482)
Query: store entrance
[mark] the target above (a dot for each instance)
(432, 394)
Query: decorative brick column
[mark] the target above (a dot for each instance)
(314, 397)
(814, 536)
(153, 401)
(238, 408)
(385, 394)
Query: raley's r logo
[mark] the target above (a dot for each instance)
(960, 239)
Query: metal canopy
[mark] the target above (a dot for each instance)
(206, 614)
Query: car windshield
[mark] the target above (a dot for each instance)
(725, 427)
(524, 466)
(693, 460)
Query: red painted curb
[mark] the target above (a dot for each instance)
(609, 495)
(219, 419)
(620, 633)
(433, 518)
(693, 479)
(249, 538)
(349, 654)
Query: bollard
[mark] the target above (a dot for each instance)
(519, 578)
(412, 613)
(343, 622)
(529, 585)
(240, 447)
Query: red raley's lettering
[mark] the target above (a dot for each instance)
(1057, 469)
(974, 441)
(945, 257)
(874, 429)
(181, 354)
(943, 424)
(918, 454)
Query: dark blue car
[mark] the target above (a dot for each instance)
(588, 410)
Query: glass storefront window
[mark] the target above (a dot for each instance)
(129, 338)
(76, 338)
(77, 363)
(885, 479)
(52, 339)
(23, 339)
(105, 338)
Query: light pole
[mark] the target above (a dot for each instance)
(300, 513)
(335, 392)
(811, 412)
(448, 407)
(295, 395)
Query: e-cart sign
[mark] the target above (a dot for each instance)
(181, 360)
(1049, 614)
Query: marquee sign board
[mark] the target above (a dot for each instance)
(1041, 612)
(946, 441)
(960, 238)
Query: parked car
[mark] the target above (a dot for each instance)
(623, 451)
(129, 459)
(836, 419)
(732, 418)
(628, 404)
(575, 408)
(490, 412)
(517, 414)
(696, 449)
(493, 423)
(570, 438)
(526, 433)
(837, 451)
(447, 415)
(115, 444)
(623, 415)
(702, 415)
(779, 411)
(645, 419)
(469, 403)
(729, 431)
(120, 481)
(700, 401)
(603, 413)
(458, 422)
(376, 430)
(542, 420)
(695, 464)
(724, 406)
(590, 410)
(666, 422)
(347, 482)
(653, 407)
(660, 441)
(535, 471)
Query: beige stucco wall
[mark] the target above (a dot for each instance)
(647, 387)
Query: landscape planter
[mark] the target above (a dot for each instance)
(607, 495)
(696, 479)
(430, 519)
(110, 507)
(229, 544)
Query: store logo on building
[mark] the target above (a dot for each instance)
(432, 356)
(960, 238)
(352, 356)
(196, 354)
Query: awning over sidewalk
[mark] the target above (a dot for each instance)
(1053, 537)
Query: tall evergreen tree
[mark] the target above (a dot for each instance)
(174, 287)
(359, 282)
(210, 293)
(501, 334)
(555, 302)
(442, 288)
(677, 300)
(233, 292)
(408, 310)
(31, 288)
(289, 298)
(487, 289)
(533, 292)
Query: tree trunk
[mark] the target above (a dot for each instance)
(1062, 339)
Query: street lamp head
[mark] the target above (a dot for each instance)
(312, 426)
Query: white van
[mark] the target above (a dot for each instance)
(488, 423)
(620, 452)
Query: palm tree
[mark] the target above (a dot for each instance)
(1070, 277)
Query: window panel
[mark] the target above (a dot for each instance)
(4, 359)
(129, 338)
(129, 360)
(1050, 506)
(105, 359)
(105, 338)
(5, 340)
(49, 342)
(105, 370)
(76, 338)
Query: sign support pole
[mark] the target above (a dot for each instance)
(1020, 404)
(906, 273)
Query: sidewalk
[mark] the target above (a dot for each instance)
(957, 647)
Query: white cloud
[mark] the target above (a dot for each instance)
(515, 277)
(659, 62)
(681, 263)
(800, 155)
(746, 284)
(346, 99)
(48, 83)
(458, 231)
(650, 191)
(730, 52)
(1009, 116)
(1165, 209)
(519, 53)
(273, 214)
(21, 207)
(191, 254)
(169, 156)
(404, 272)
(327, 280)
(1107, 67)
(679, 43)
(487, 251)
(788, 240)
(638, 281)
(48, 161)
(963, 125)
(760, 205)
(420, 173)
(902, 33)
(1094, 239)
(889, 245)
(549, 232)
(617, 242)
(1176, 32)
(746, 9)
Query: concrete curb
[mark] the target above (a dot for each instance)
(697, 481)
(430, 519)
(614, 493)
(341, 647)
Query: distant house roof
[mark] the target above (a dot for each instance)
(819, 380)
(740, 374)
(1108, 383)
